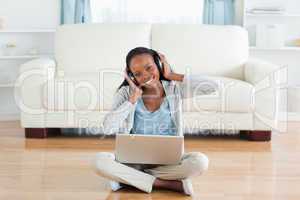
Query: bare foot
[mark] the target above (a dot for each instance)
(174, 185)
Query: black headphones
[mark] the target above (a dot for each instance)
(157, 61)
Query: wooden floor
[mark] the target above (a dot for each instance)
(59, 168)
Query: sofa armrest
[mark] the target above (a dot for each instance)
(29, 85)
(40, 64)
(256, 70)
(267, 79)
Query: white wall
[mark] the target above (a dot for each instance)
(30, 13)
(23, 14)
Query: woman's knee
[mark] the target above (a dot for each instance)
(102, 162)
(198, 162)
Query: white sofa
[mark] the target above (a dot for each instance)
(75, 89)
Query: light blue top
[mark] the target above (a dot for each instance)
(158, 122)
(121, 117)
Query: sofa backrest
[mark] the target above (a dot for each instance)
(81, 48)
(198, 49)
(203, 49)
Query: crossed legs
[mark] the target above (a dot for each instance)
(143, 178)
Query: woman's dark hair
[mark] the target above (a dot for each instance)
(143, 50)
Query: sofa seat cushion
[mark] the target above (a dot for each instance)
(81, 92)
(87, 92)
(233, 96)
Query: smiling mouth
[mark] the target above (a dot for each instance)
(148, 82)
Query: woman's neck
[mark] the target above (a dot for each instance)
(156, 91)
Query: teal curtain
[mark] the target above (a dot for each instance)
(219, 12)
(75, 11)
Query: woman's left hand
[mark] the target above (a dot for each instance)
(166, 69)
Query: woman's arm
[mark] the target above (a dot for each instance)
(121, 107)
(194, 85)
(190, 85)
(123, 103)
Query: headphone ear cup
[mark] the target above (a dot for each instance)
(156, 58)
(158, 61)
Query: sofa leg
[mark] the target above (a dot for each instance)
(41, 132)
(256, 135)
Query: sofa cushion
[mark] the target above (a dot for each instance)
(91, 47)
(233, 96)
(86, 92)
(81, 92)
(203, 49)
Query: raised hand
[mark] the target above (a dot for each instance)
(167, 72)
(136, 90)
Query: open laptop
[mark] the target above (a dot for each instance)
(149, 149)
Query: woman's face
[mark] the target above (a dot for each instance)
(144, 70)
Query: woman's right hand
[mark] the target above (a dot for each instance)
(137, 91)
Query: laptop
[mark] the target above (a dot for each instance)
(149, 149)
